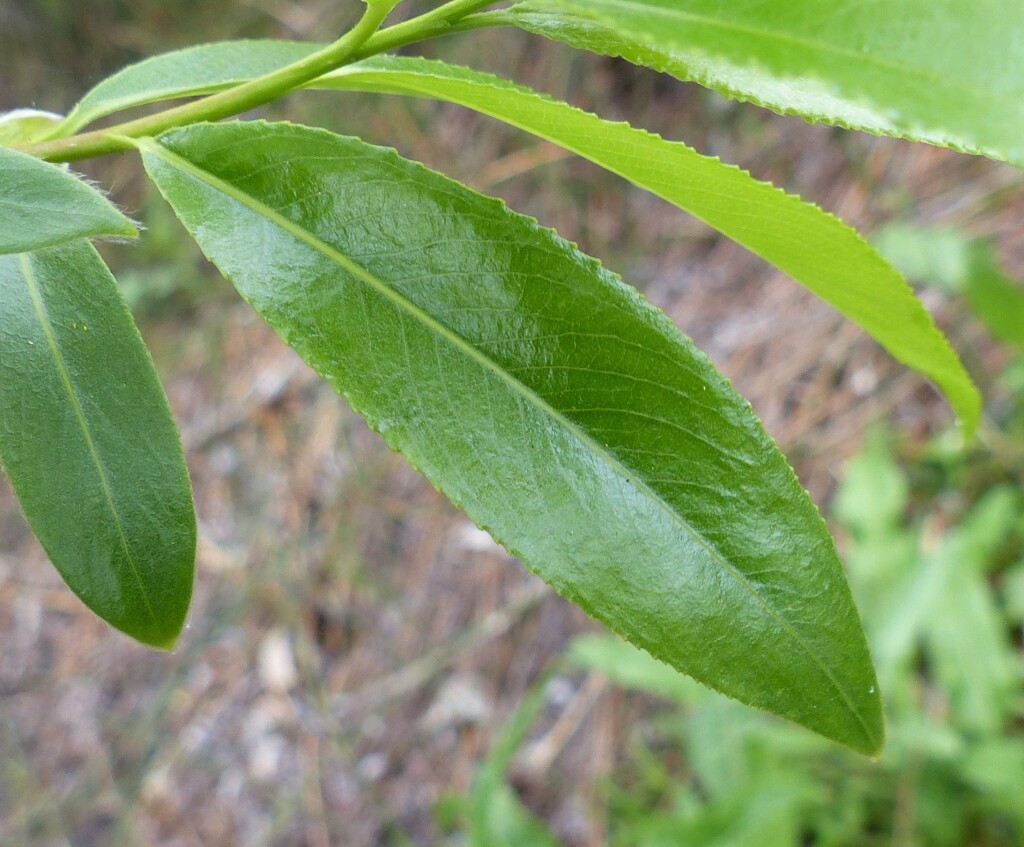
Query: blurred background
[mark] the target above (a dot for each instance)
(363, 666)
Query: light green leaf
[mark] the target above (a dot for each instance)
(956, 262)
(42, 205)
(88, 443)
(23, 126)
(203, 69)
(968, 647)
(917, 599)
(814, 247)
(1013, 590)
(563, 412)
(971, 655)
(949, 74)
(497, 817)
(630, 667)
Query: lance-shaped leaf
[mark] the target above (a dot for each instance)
(42, 205)
(814, 247)
(564, 413)
(203, 69)
(947, 73)
(88, 443)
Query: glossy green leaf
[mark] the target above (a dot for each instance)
(42, 205)
(563, 412)
(88, 443)
(949, 74)
(814, 247)
(203, 69)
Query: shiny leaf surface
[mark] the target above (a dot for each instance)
(814, 247)
(563, 412)
(950, 73)
(42, 205)
(88, 443)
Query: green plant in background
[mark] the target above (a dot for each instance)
(564, 413)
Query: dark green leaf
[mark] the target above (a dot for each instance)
(88, 443)
(948, 74)
(565, 414)
(814, 247)
(42, 205)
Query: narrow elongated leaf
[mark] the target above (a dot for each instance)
(814, 247)
(88, 443)
(203, 69)
(42, 205)
(954, 261)
(565, 414)
(950, 73)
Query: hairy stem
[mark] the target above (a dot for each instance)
(361, 41)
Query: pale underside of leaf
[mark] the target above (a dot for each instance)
(202, 69)
(42, 205)
(607, 452)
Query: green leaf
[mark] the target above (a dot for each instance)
(42, 205)
(23, 126)
(203, 69)
(563, 412)
(1013, 590)
(88, 443)
(956, 262)
(933, 594)
(949, 75)
(814, 247)
(968, 647)
(497, 817)
(630, 667)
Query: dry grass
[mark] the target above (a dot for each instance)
(355, 643)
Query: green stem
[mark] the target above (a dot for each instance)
(361, 41)
(454, 16)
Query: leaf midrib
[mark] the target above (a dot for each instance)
(151, 146)
(58, 360)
